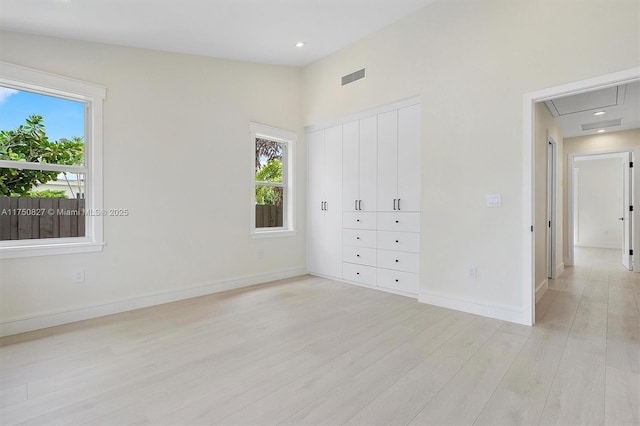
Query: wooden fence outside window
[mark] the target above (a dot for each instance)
(26, 218)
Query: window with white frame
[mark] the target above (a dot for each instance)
(50, 164)
(272, 208)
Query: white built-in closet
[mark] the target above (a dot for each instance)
(364, 199)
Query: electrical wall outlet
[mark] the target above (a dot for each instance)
(494, 200)
(77, 275)
(473, 272)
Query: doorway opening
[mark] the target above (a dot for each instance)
(601, 191)
(536, 219)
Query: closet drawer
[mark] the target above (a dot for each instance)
(398, 260)
(359, 220)
(360, 255)
(398, 280)
(401, 241)
(359, 237)
(359, 273)
(399, 221)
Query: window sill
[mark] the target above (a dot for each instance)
(273, 234)
(33, 250)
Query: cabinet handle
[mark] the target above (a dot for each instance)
(398, 203)
(360, 205)
(396, 260)
(355, 204)
(321, 205)
(326, 205)
(396, 280)
(357, 220)
(397, 241)
(394, 204)
(397, 221)
(357, 273)
(357, 238)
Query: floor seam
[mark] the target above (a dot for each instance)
(564, 348)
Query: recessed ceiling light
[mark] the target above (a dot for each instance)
(600, 113)
(601, 131)
(300, 44)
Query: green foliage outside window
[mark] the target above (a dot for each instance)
(48, 193)
(29, 143)
(270, 172)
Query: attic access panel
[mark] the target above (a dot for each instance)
(594, 100)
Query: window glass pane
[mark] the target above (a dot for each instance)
(41, 129)
(269, 160)
(269, 208)
(53, 208)
(41, 183)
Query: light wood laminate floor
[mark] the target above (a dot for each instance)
(314, 351)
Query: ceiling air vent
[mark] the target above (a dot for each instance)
(354, 76)
(601, 124)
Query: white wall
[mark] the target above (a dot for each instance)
(181, 120)
(587, 145)
(471, 62)
(599, 203)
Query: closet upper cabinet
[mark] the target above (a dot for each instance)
(360, 151)
(399, 160)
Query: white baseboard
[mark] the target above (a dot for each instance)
(541, 289)
(36, 322)
(559, 269)
(501, 312)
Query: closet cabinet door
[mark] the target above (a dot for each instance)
(324, 202)
(409, 158)
(387, 161)
(368, 164)
(350, 166)
(333, 197)
(315, 201)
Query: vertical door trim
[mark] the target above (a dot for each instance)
(551, 207)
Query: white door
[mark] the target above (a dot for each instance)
(351, 166)
(626, 215)
(315, 201)
(387, 161)
(332, 253)
(409, 159)
(368, 163)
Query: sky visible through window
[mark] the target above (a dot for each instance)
(63, 118)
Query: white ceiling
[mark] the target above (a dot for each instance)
(263, 31)
(620, 104)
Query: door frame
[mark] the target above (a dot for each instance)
(528, 167)
(552, 208)
(572, 196)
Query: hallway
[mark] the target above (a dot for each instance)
(592, 312)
